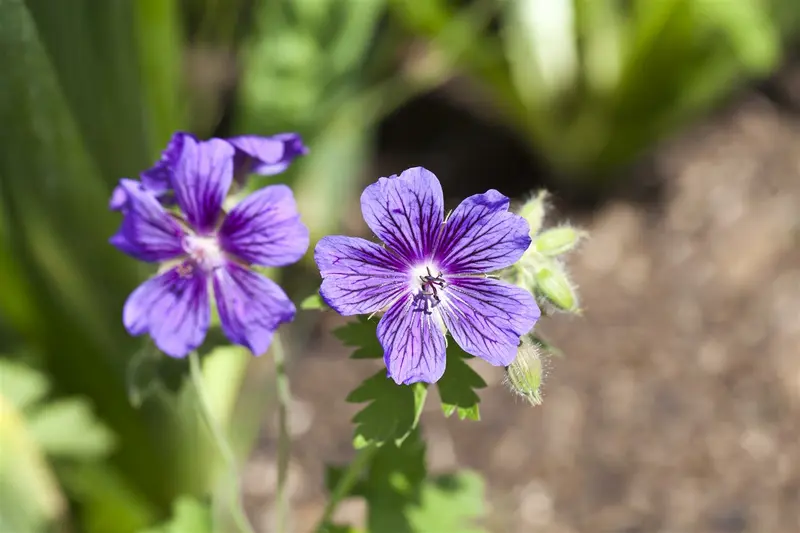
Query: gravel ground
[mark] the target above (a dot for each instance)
(677, 406)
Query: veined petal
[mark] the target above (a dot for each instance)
(265, 228)
(487, 317)
(148, 232)
(358, 276)
(201, 181)
(251, 307)
(482, 236)
(267, 155)
(158, 178)
(173, 308)
(413, 344)
(405, 212)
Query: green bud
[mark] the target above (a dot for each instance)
(557, 241)
(553, 284)
(524, 375)
(533, 211)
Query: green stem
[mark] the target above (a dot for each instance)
(237, 510)
(345, 485)
(284, 397)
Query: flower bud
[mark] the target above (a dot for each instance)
(533, 211)
(553, 284)
(557, 241)
(524, 375)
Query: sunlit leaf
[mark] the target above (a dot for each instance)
(457, 386)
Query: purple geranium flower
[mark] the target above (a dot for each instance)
(206, 247)
(254, 155)
(430, 275)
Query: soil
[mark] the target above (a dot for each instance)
(676, 407)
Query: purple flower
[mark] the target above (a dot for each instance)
(253, 155)
(203, 247)
(429, 277)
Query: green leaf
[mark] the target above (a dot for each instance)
(457, 386)
(392, 412)
(21, 385)
(189, 516)
(30, 497)
(313, 302)
(68, 428)
(362, 335)
(449, 504)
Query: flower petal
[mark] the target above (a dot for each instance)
(487, 317)
(405, 212)
(251, 306)
(267, 155)
(201, 180)
(482, 236)
(265, 228)
(148, 232)
(359, 277)
(158, 178)
(173, 307)
(118, 199)
(413, 344)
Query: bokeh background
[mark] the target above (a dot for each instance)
(669, 129)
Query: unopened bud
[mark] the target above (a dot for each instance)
(553, 284)
(557, 241)
(533, 211)
(524, 375)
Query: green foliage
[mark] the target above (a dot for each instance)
(188, 516)
(401, 499)
(312, 303)
(35, 433)
(391, 413)
(457, 386)
(361, 335)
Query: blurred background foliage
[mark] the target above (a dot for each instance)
(98, 433)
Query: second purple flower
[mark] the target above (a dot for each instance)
(202, 247)
(429, 278)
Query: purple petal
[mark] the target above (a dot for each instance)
(413, 344)
(158, 178)
(359, 277)
(405, 212)
(487, 317)
(267, 155)
(251, 306)
(173, 308)
(265, 228)
(202, 179)
(118, 199)
(481, 236)
(148, 232)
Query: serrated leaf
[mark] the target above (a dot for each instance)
(392, 412)
(68, 428)
(449, 504)
(21, 385)
(313, 303)
(457, 385)
(362, 335)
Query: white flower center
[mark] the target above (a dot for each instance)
(205, 251)
(427, 284)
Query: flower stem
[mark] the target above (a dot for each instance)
(346, 482)
(284, 397)
(220, 439)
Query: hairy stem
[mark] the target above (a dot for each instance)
(345, 485)
(284, 397)
(221, 440)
